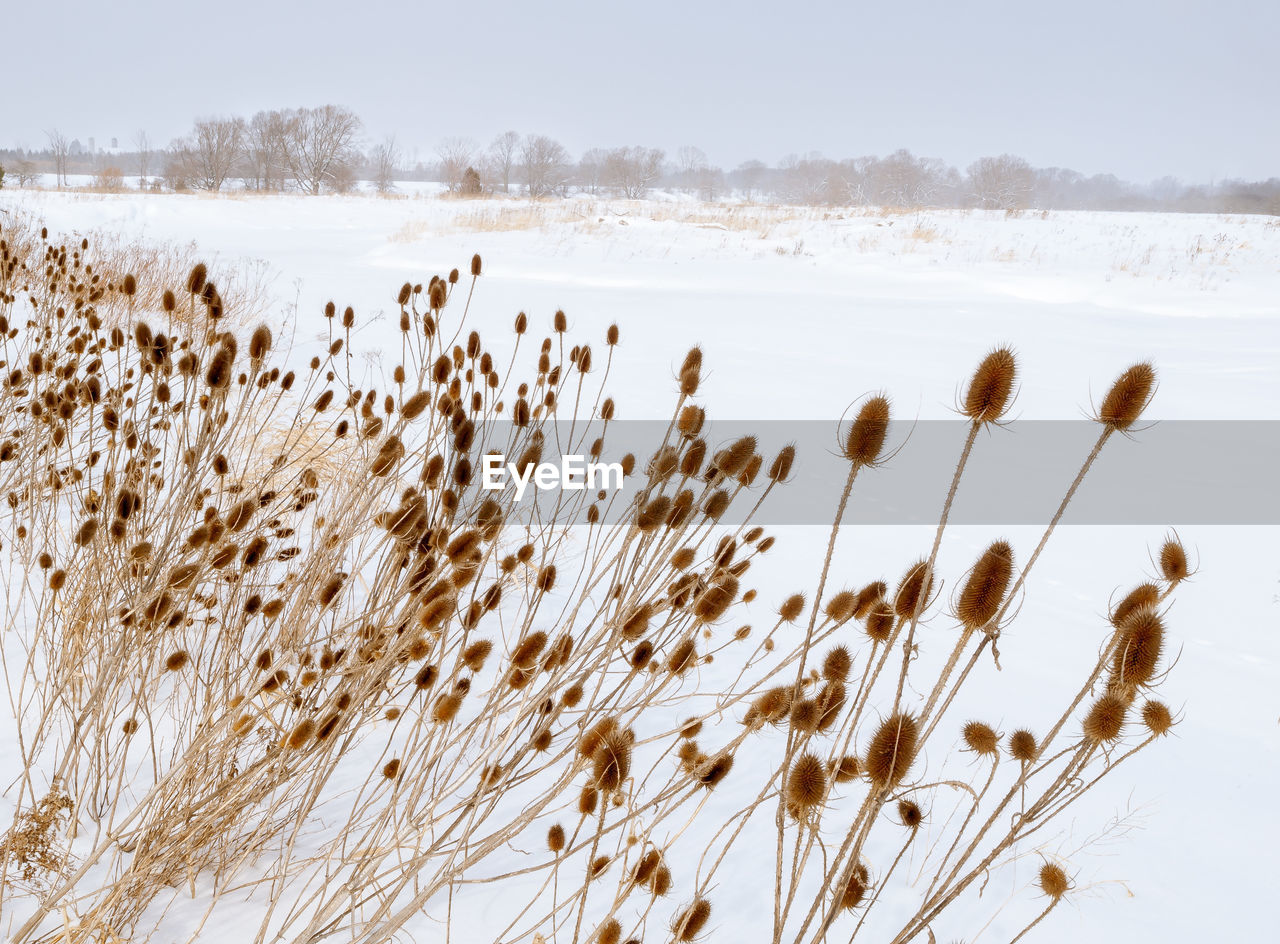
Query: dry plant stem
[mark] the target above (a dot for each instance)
(907, 643)
(1044, 914)
(994, 629)
(779, 915)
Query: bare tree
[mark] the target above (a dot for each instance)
(384, 159)
(503, 152)
(25, 172)
(591, 170)
(61, 150)
(546, 166)
(320, 147)
(456, 155)
(264, 148)
(212, 151)
(690, 161)
(631, 171)
(143, 145)
(1001, 183)
(749, 178)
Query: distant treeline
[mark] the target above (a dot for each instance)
(320, 150)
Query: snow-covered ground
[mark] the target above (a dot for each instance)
(800, 312)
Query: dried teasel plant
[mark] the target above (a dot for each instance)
(276, 634)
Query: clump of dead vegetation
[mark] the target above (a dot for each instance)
(266, 630)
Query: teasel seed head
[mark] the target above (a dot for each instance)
(792, 607)
(1053, 881)
(892, 750)
(1157, 717)
(845, 770)
(991, 387)
(981, 738)
(986, 586)
(691, 372)
(806, 782)
(910, 814)
(556, 838)
(1022, 745)
(1173, 561)
(691, 921)
(864, 441)
(1143, 596)
(841, 607)
(836, 665)
(391, 769)
(913, 590)
(176, 661)
(1139, 648)
(852, 895)
(1128, 397)
(609, 933)
(1105, 720)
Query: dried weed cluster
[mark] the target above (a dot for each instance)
(232, 589)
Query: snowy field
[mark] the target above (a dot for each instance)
(800, 312)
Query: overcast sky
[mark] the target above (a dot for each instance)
(1139, 89)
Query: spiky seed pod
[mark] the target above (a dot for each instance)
(836, 665)
(841, 607)
(611, 760)
(691, 372)
(868, 597)
(446, 707)
(1139, 648)
(588, 799)
(830, 701)
(176, 661)
(572, 695)
(880, 622)
(780, 468)
(991, 387)
(1157, 717)
(525, 655)
(806, 715)
(806, 782)
(1105, 720)
(474, 656)
(892, 750)
(714, 770)
(637, 622)
(555, 838)
(913, 590)
(986, 586)
(87, 531)
(1053, 881)
(660, 884)
(302, 733)
(910, 814)
(690, 922)
(980, 738)
(690, 728)
(845, 769)
(598, 866)
(609, 933)
(1173, 561)
(865, 438)
(1140, 597)
(852, 895)
(1128, 397)
(1022, 745)
(167, 301)
(259, 343)
(645, 867)
(391, 769)
(196, 280)
(415, 405)
(690, 420)
(683, 657)
(791, 608)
